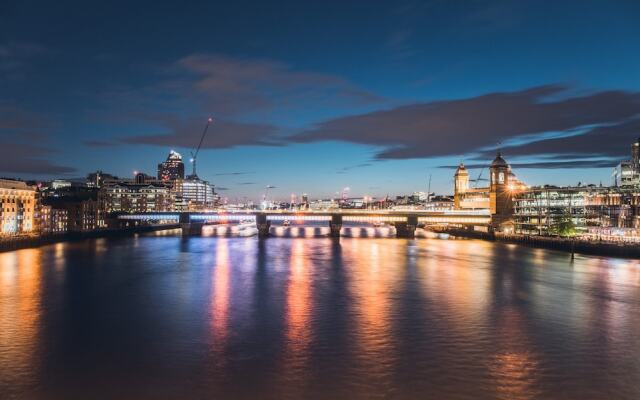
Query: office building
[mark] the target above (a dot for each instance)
(627, 173)
(193, 194)
(586, 209)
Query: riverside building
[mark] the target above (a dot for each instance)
(17, 207)
(139, 195)
(590, 210)
(497, 198)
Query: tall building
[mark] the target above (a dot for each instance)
(497, 198)
(172, 168)
(17, 207)
(635, 155)
(627, 173)
(500, 201)
(460, 184)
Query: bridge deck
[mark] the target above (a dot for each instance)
(390, 216)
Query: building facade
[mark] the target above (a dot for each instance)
(130, 197)
(18, 207)
(53, 220)
(586, 210)
(193, 194)
(172, 168)
(465, 197)
(497, 198)
(627, 173)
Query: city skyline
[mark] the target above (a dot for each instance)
(337, 95)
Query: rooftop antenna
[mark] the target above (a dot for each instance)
(194, 154)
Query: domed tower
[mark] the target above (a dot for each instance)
(461, 184)
(500, 196)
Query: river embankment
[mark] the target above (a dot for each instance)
(571, 245)
(24, 242)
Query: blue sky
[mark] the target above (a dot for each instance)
(313, 97)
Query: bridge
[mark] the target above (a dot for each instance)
(405, 222)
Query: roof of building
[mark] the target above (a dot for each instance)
(461, 169)
(174, 156)
(14, 184)
(499, 161)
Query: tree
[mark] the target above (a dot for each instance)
(564, 227)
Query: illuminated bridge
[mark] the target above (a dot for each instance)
(405, 222)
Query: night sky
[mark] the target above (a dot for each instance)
(316, 96)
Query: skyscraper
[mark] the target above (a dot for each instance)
(635, 156)
(627, 173)
(172, 168)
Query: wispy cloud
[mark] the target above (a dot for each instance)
(222, 135)
(233, 173)
(348, 168)
(233, 86)
(98, 143)
(15, 55)
(242, 94)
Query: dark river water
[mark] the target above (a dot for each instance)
(165, 318)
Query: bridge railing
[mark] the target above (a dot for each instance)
(222, 217)
(151, 216)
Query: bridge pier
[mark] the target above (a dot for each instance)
(190, 228)
(407, 229)
(335, 225)
(263, 225)
(113, 222)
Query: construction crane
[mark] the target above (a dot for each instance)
(194, 154)
(479, 178)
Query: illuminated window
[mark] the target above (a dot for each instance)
(501, 177)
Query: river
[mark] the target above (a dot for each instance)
(158, 316)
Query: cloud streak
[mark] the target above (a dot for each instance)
(574, 164)
(221, 135)
(20, 130)
(467, 126)
(234, 86)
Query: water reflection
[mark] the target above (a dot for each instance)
(220, 295)
(372, 285)
(316, 318)
(20, 313)
(297, 317)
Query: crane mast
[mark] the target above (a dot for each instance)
(194, 154)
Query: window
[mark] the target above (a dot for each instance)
(501, 177)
